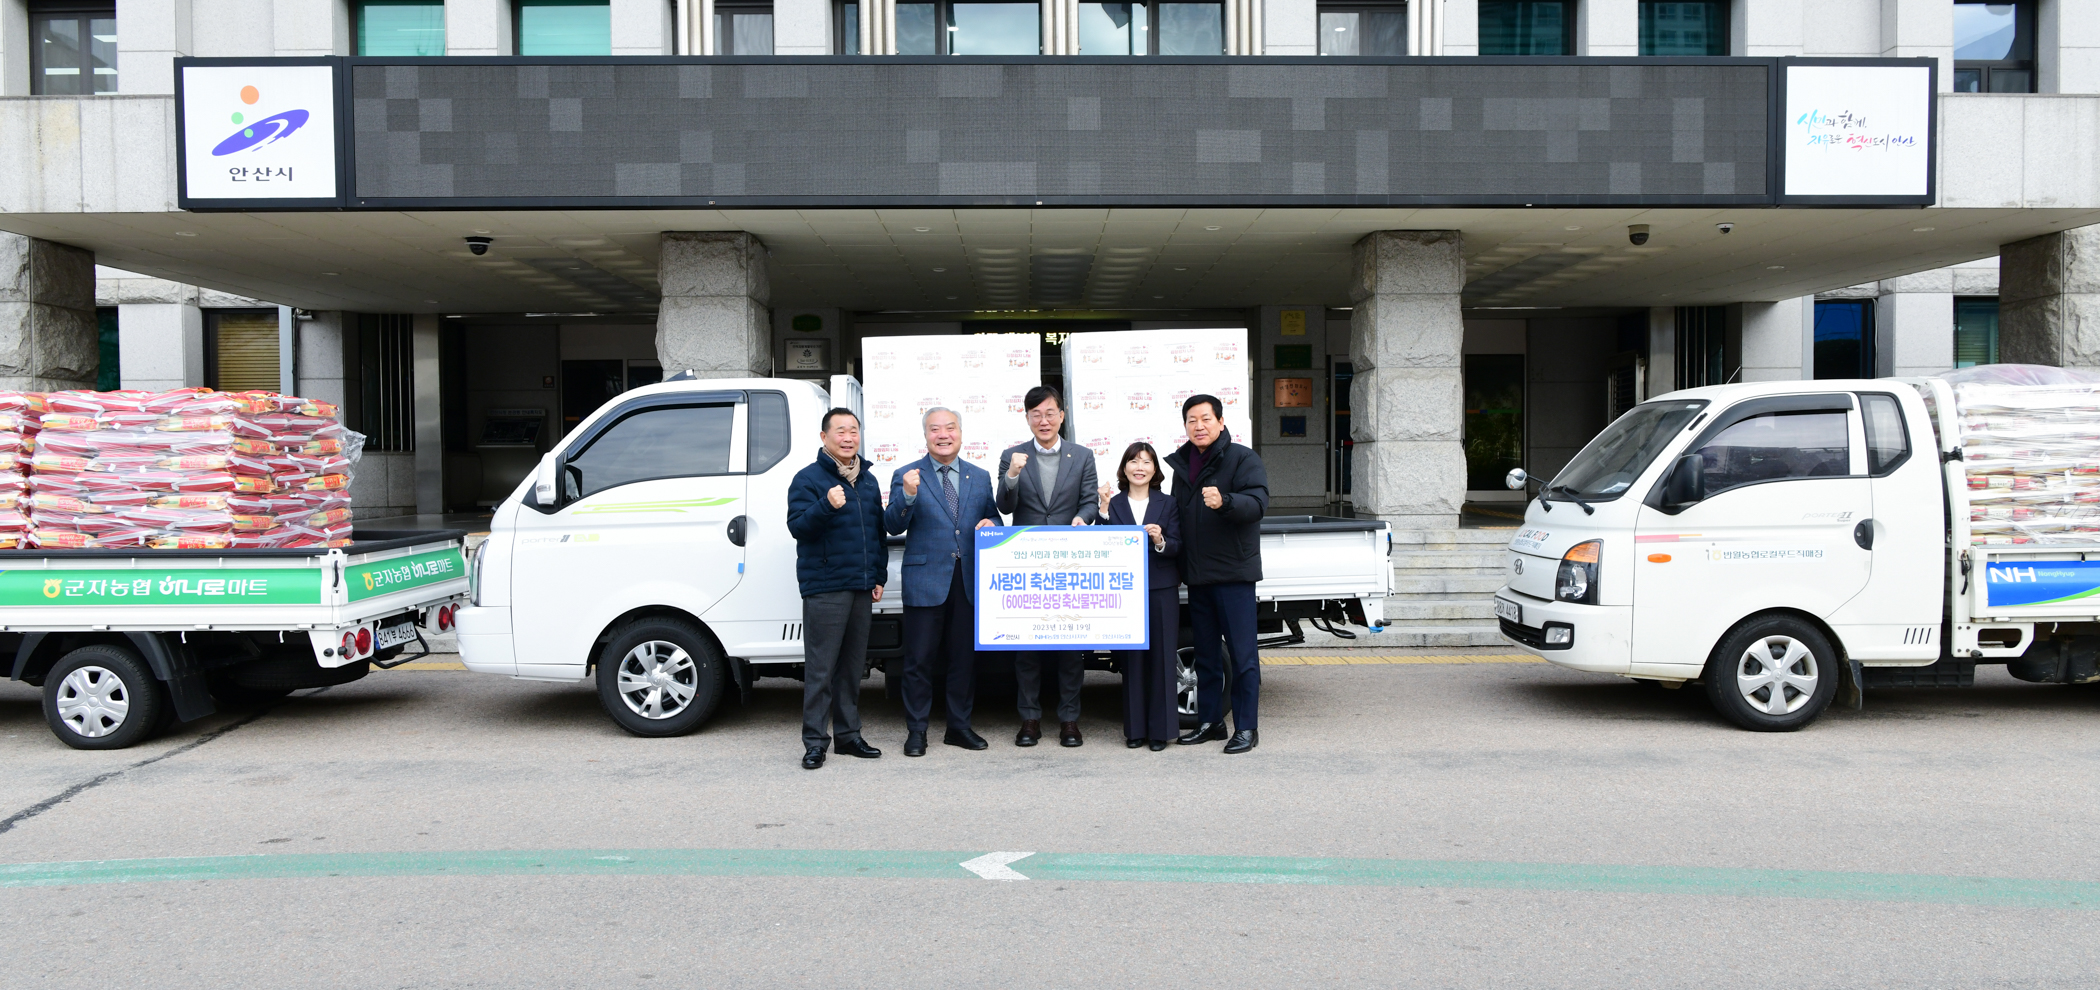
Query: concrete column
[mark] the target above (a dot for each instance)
(48, 337)
(714, 318)
(1608, 27)
(1461, 27)
(149, 39)
(303, 27)
(161, 345)
(478, 27)
(1291, 27)
(2049, 300)
(1769, 28)
(802, 27)
(2067, 42)
(321, 361)
(1662, 350)
(1920, 28)
(14, 49)
(430, 435)
(1405, 337)
(1914, 324)
(643, 27)
(1778, 340)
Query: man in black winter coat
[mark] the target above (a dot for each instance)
(1221, 490)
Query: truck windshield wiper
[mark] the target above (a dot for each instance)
(1573, 496)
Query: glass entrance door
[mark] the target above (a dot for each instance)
(1494, 422)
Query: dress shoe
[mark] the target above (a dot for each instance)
(814, 758)
(915, 743)
(1158, 744)
(1031, 731)
(966, 738)
(1207, 732)
(1068, 735)
(856, 746)
(1130, 743)
(1243, 740)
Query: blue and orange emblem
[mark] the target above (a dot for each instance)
(265, 131)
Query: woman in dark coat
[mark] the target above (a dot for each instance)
(1149, 715)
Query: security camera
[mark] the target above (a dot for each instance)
(1724, 226)
(479, 245)
(1637, 233)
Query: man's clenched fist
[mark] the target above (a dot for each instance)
(1013, 467)
(911, 482)
(1212, 498)
(837, 497)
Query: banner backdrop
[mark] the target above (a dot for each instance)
(1128, 385)
(983, 377)
(1061, 587)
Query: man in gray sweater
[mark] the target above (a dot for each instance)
(1047, 482)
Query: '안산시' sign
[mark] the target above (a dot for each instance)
(1061, 588)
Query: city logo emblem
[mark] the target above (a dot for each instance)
(268, 130)
(51, 587)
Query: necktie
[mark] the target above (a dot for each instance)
(948, 489)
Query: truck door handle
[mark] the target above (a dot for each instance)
(737, 528)
(1862, 534)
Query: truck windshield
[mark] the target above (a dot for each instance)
(1609, 465)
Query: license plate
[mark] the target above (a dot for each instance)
(1506, 609)
(396, 634)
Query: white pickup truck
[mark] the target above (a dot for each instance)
(651, 549)
(1789, 543)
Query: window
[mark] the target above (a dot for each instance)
(663, 442)
(1363, 29)
(1527, 27)
(1975, 332)
(769, 444)
(915, 29)
(400, 27)
(240, 350)
(992, 29)
(1777, 446)
(386, 376)
(1702, 346)
(74, 51)
(1887, 446)
(1684, 27)
(744, 30)
(109, 374)
(848, 36)
(564, 27)
(1993, 47)
(1845, 338)
(1610, 464)
(1151, 29)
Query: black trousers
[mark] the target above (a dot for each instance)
(1148, 675)
(1028, 677)
(1224, 614)
(940, 634)
(834, 653)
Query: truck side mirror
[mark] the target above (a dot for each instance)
(1687, 481)
(1515, 480)
(546, 482)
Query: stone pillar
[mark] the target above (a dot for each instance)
(160, 345)
(48, 337)
(14, 49)
(714, 317)
(321, 365)
(1405, 402)
(1914, 324)
(1779, 340)
(1662, 350)
(2049, 300)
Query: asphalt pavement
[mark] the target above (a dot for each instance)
(1440, 821)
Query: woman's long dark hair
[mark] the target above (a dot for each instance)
(1130, 454)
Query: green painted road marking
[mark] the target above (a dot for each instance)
(1079, 867)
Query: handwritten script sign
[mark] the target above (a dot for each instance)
(1858, 130)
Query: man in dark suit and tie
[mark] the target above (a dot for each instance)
(1047, 482)
(938, 500)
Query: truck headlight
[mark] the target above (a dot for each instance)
(1577, 580)
(474, 576)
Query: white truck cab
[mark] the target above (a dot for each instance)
(1768, 539)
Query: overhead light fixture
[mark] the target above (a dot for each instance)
(185, 233)
(479, 231)
(331, 273)
(922, 229)
(1181, 269)
(1775, 268)
(1213, 227)
(1571, 228)
(1923, 230)
(940, 269)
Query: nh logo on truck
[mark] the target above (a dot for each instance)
(2013, 575)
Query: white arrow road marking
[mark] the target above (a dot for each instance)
(992, 866)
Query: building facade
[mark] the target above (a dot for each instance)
(1479, 228)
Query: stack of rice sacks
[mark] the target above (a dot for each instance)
(2031, 456)
(20, 418)
(189, 469)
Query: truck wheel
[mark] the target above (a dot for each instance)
(102, 697)
(1185, 686)
(660, 677)
(1774, 674)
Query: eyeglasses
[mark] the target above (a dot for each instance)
(1041, 414)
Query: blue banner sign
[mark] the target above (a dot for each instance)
(2040, 582)
(1061, 588)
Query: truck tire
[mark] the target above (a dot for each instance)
(660, 677)
(103, 697)
(1185, 686)
(1772, 674)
